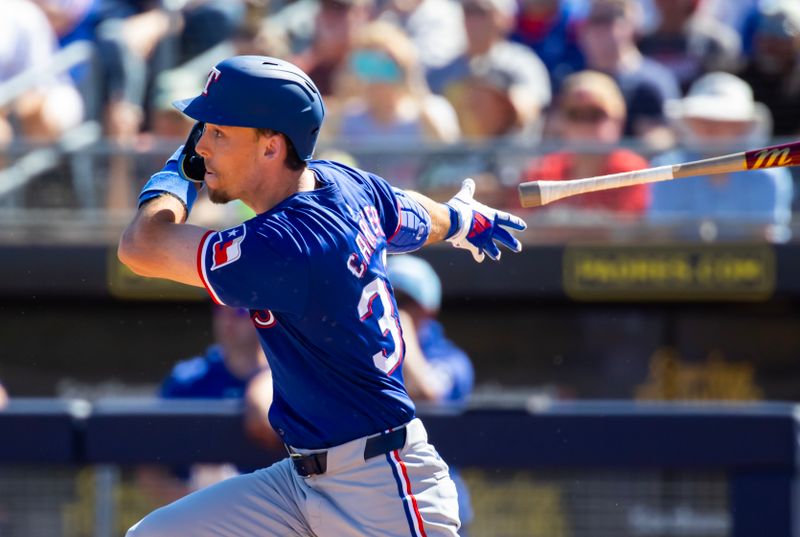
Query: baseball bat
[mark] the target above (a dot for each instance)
(538, 193)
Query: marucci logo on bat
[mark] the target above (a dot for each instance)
(767, 158)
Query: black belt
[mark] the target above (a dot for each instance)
(317, 463)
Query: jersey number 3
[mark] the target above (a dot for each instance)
(388, 323)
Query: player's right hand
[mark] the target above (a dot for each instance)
(480, 227)
(184, 167)
(191, 165)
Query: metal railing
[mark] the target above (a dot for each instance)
(587, 469)
(40, 159)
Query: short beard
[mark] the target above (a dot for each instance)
(218, 196)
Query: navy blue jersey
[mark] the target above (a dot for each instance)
(312, 272)
(203, 377)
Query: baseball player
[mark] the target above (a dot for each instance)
(310, 267)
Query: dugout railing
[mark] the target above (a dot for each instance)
(557, 469)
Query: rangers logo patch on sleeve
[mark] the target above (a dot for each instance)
(228, 247)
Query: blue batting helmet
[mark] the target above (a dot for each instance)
(263, 93)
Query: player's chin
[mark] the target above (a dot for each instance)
(218, 196)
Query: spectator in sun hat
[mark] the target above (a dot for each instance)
(590, 115)
(719, 115)
(773, 70)
(488, 24)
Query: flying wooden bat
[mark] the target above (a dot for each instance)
(537, 193)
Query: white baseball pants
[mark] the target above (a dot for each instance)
(406, 492)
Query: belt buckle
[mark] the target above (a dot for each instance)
(308, 465)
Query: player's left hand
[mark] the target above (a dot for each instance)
(480, 227)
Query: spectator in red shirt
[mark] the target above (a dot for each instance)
(590, 116)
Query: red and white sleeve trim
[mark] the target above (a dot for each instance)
(201, 267)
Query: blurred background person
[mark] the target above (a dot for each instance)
(690, 43)
(549, 27)
(233, 367)
(719, 116)
(72, 21)
(589, 118)
(336, 23)
(494, 102)
(740, 15)
(608, 41)
(773, 69)
(435, 26)
(227, 365)
(3, 396)
(136, 40)
(499, 90)
(53, 105)
(389, 102)
(488, 24)
(435, 370)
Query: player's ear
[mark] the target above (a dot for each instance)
(271, 146)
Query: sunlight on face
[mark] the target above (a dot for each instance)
(230, 155)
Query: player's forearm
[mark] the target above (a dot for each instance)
(135, 248)
(156, 244)
(440, 216)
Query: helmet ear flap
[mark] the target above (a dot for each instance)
(191, 165)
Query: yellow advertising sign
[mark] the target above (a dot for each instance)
(123, 283)
(669, 272)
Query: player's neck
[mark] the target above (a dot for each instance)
(277, 188)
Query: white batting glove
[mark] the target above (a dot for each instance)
(478, 227)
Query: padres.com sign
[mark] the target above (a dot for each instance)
(669, 272)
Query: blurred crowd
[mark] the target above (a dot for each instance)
(614, 85)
